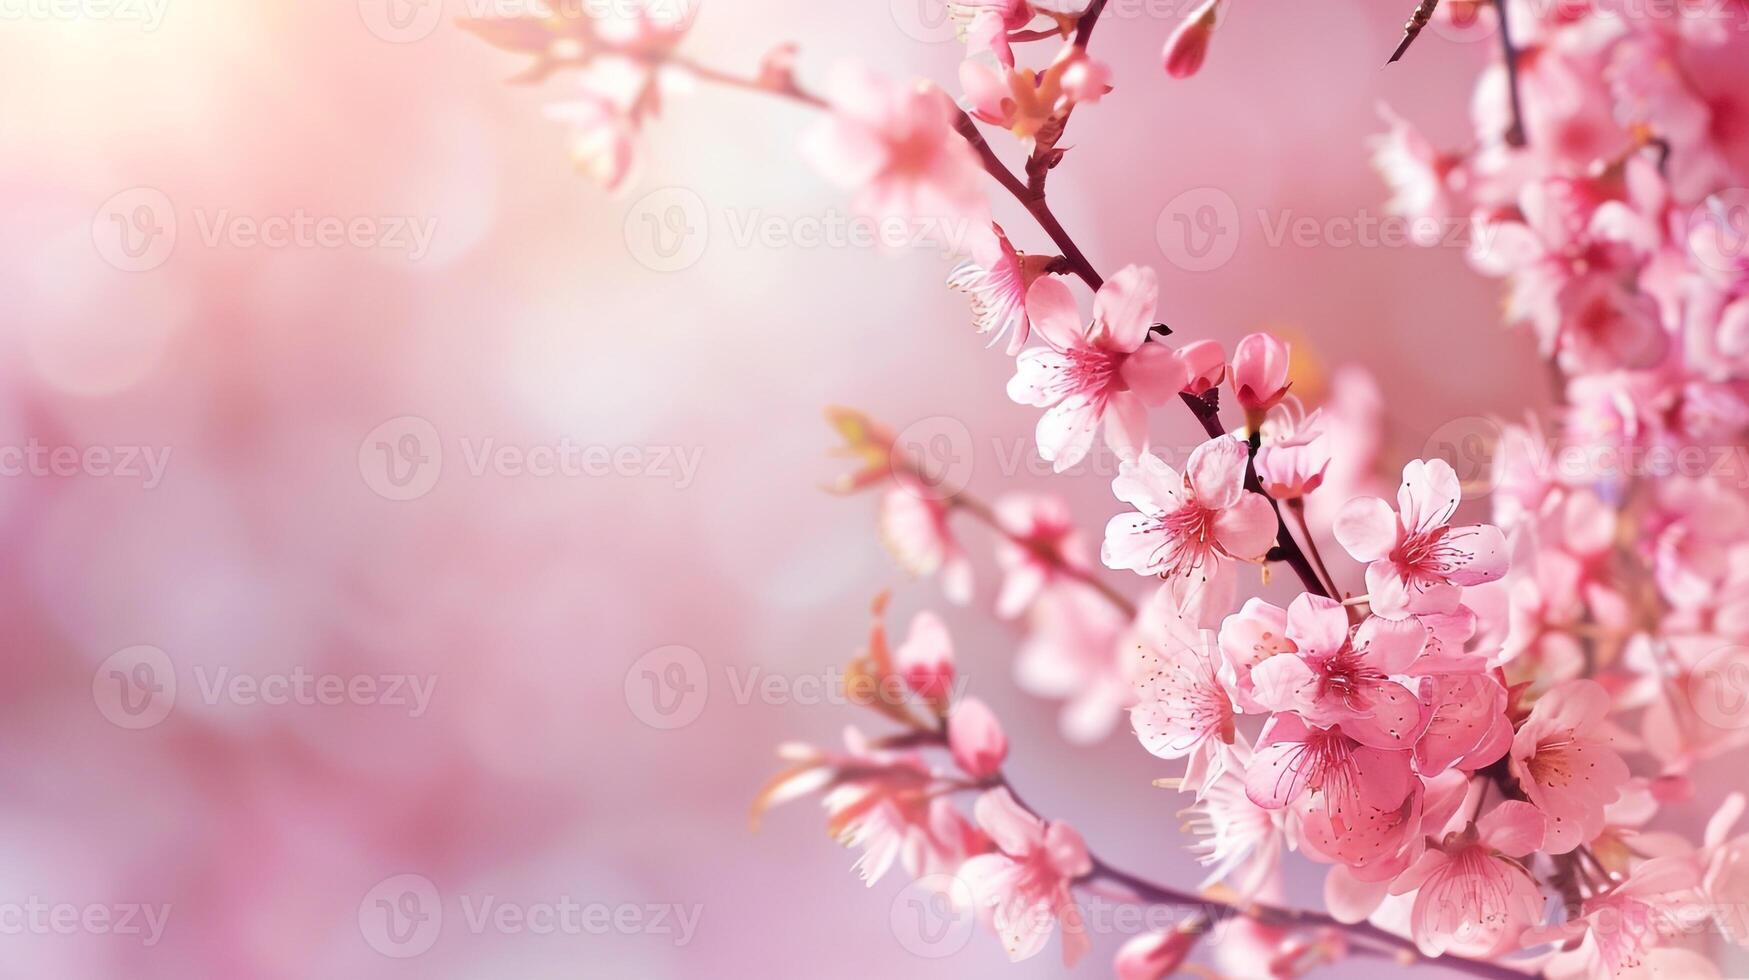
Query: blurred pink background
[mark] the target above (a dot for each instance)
(296, 387)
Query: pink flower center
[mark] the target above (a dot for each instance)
(1094, 371)
(1190, 540)
(1430, 557)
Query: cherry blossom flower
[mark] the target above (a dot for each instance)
(1259, 375)
(603, 139)
(1042, 547)
(1565, 765)
(1182, 708)
(1472, 898)
(1418, 562)
(896, 146)
(997, 278)
(1350, 790)
(1072, 653)
(1154, 955)
(1189, 528)
(1026, 881)
(1295, 453)
(1423, 180)
(1106, 372)
(1334, 678)
(1205, 366)
(1620, 929)
(1189, 42)
(976, 739)
(915, 529)
(925, 659)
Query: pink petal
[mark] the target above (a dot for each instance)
(1318, 625)
(1429, 495)
(1367, 528)
(1123, 310)
(1483, 554)
(1217, 472)
(1247, 529)
(1066, 431)
(1126, 425)
(1155, 373)
(1055, 317)
(1514, 828)
(1014, 830)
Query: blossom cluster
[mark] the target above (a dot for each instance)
(1472, 724)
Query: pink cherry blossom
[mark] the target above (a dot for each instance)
(1259, 374)
(1352, 791)
(896, 146)
(1072, 653)
(986, 23)
(976, 739)
(1182, 708)
(1295, 453)
(602, 139)
(1424, 181)
(1472, 897)
(1189, 528)
(1104, 372)
(1338, 678)
(1026, 881)
(1565, 765)
(997, 278)
(1418, 562)
(1189, 42)
(914, 527)
(1042, 547)
(1205, 366)
(1154, 955)
(925, 659)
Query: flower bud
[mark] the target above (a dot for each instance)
(925, 659)
(1205, 365)
(1259, 375)
(975, 738)
(1189, 42)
